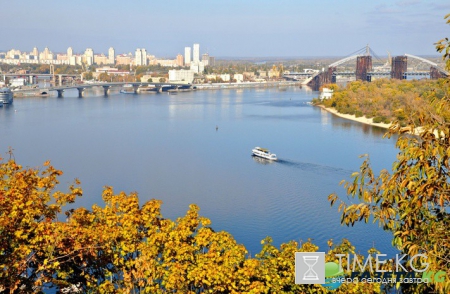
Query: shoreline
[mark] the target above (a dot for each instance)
(270, 84)
(362, 119)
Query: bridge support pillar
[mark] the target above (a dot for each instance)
(399, 67)
(106, 90)
(60, 93)
(363, 66)
(60, 79)
(159, 89)
(436, 74)
(135, 87)
(80, 92)
(333, 78)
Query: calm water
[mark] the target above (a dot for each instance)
(167, 147)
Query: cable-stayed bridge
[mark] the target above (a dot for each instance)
(397, 68)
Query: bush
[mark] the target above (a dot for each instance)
(378, 119)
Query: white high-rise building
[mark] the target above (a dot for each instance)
(35, 52)
(187, 55)
(196, 53)
(144, 56)
(46, 54)
(111, 56)
(89, 55)
(69, 52)
(197, 67)
(140, 57)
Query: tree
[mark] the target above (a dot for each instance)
(443, 46)
(88, 75)
(28, 209)
(412, 202)
(123, 247)
(104, 77)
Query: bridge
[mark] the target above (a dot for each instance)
(32, 77)
(364, 71)
(159, 87)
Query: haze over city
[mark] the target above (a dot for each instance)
(288, 28)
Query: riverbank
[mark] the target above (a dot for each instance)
(219, 86)
(364, 120)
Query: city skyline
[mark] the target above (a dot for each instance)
(285, 28)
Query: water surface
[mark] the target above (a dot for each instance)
(167, 147)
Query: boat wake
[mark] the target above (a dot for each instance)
(314, 167)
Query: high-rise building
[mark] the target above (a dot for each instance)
(46, 55)
(140, 57)
(35, 52)
(144, 56)
(69, 52)
(111, 56)
(187, 55)
(212, 61)
(205, 59)
(196, 53)
(89, 56)
(180, 61)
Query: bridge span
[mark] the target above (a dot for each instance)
(159, 87)
(365, 72)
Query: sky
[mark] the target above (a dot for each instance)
(226, 28)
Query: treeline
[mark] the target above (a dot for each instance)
(387, 100)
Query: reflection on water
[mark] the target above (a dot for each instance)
(167, 147)
(261, 160)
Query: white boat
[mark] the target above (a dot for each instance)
(6, 96)
(264, 153)
(127, 89)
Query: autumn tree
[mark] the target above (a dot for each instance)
(125, 247)
(28, 210)
(443, 46)
(412, 200)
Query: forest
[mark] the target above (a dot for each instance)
(387, 100)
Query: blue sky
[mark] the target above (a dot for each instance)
(233, 28)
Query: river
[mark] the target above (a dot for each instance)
(168, 147)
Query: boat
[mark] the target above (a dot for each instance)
(264, 153)
(6, 96)
(127, 89)
(149, 90)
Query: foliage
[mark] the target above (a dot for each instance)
(412, 202)
(124, 247)
(443, 46)
(104, 77)
(28, 209)
(387, 100)
(88, 75)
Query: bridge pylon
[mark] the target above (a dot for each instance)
(363, 66)
(60, 93)
(106, 90)
(80, 92)
(325, 77)
(399, 67)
